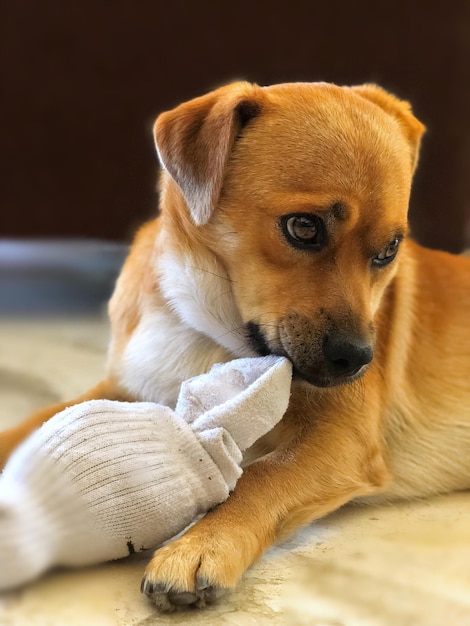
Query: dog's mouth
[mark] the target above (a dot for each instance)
(257, 340)
(341, 362)
(318, 380)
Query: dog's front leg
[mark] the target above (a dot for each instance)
(289, 487)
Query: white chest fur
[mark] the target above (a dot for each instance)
(163, 352)
(200, 325)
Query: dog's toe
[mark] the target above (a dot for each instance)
(168, 600)
(193, 571)
(183, 598)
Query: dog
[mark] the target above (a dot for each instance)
(283, 229)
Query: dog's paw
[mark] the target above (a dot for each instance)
(188, 573)
(168, 600)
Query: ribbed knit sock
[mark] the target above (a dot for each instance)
(103, 479)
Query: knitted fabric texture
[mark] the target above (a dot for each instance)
(103, 479)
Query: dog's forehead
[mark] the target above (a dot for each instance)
(324, 107)
(319, 137)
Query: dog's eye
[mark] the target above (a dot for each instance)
(388, 254)
(303, 230)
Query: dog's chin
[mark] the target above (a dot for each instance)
(324, 381)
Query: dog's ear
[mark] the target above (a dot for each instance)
(195, 139)
(401, 110)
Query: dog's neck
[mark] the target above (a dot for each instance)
(198, 290)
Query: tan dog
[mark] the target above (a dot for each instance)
(284, 230)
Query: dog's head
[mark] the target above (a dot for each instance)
(301, 192)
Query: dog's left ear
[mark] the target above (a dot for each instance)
(401, 110)
(195, 139)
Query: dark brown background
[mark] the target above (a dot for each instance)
(84, 80)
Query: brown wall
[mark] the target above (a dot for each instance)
(84, 80)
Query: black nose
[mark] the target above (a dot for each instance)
(345, 355)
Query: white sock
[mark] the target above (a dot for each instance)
(103, 479)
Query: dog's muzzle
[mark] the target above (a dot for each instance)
(322, 359)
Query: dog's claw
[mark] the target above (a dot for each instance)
(201, 583)
(146, 587)
(167, 600)
(150, 588)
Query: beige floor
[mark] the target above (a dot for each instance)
(402, 565)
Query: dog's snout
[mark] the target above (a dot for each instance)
(345, 356)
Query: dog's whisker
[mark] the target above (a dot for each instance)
(220, 296)
(206, 271)
(233, 331)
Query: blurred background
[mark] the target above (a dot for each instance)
(83, 82)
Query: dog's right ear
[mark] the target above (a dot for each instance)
(195, 139)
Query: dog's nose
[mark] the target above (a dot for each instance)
(345, 355)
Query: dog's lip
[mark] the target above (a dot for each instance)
(257, 340)
(315, 380)
(325, 382)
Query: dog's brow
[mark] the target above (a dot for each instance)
(340, 211)
(399, 232)
(306, 202)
